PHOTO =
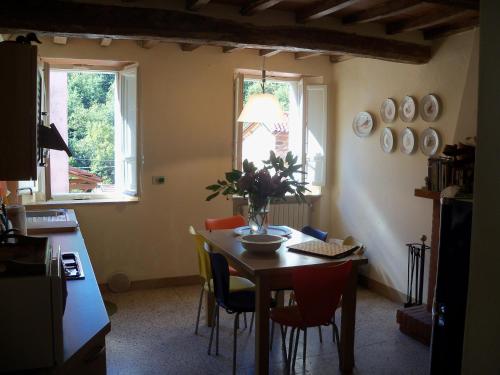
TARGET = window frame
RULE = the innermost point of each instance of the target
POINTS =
(45, 195)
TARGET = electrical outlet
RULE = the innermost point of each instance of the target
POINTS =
(159, 180)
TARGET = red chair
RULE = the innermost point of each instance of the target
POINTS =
(226, 223)
(317, 292)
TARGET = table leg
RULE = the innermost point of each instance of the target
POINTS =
(209, 308)
(348, 322)
(263, 296)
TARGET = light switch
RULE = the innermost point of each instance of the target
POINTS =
(159, 180)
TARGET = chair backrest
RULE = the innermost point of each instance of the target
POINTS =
(316, 233)
(318, 291)
(220, 274)
(203, 257)
(225, 223)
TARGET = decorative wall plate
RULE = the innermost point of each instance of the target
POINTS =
(429, 142)
(362, 124)
(408, 109)
(387, 140)
(430, 108)
(407, 141)
(388, 110)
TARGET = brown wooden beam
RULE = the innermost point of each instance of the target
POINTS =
(426, 21)
(255, 6)
(230, 49)
(306, 55)
(196, 4)
(187, 47)
(268, 52)
(322, 9)
(443, 31)
(463, 4)
(147, 44)
(105, 42)
(389, 9)
(78, 19)
(338, 58)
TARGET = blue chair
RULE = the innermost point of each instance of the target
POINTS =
(316, 233)
(236, 302)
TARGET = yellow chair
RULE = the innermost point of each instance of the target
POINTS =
(236, 283)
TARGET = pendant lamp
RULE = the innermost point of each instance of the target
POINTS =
(263, 108)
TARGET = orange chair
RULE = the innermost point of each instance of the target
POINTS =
(226, 223)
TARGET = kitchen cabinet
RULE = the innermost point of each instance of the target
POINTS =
(20, 102)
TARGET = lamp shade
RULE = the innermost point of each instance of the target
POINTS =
(263, 108)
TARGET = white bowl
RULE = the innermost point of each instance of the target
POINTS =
(262, 243)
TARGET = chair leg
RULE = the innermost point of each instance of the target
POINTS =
(235, 337)
(295, 348)
(217, 333)
(336, 330)
(283, 341)
(304, 350)
(290, 351)
(245, 320)
(272, 336)
(251, 323)
(212, 331)
(320, 335)
(199, 310)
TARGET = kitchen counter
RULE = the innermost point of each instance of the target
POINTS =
(85, 322)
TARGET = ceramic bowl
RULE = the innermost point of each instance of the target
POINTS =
(262, 243)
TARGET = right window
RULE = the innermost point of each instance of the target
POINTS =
(303, 129)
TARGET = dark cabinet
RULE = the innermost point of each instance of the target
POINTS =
(19, 102)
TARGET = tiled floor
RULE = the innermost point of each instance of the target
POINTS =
(153, 333)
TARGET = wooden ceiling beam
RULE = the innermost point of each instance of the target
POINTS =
(188, 47)
(230, 49)
(459, 4)
(268, 52)
(322, 9)
(389, 9)
(105, 42)
(444, 31)
(147, 44)
(426, 21)
(339, 58)
(196, 4)
(78, 19)
(61, 40)
(256, 6)
(306, 55)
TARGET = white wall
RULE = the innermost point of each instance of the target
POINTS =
(186, 117)
(372, 192)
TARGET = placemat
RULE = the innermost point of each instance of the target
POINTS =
(330, 250)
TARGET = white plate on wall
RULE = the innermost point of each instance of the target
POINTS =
(430, 108)
(388, 110)
(408, 109)
(407, 141)
(387, 140)
(362, 125)
(429, 142)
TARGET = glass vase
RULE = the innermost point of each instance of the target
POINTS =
(258, 208)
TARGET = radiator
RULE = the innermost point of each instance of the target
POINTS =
(290, 213)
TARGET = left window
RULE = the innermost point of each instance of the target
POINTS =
(95, 111)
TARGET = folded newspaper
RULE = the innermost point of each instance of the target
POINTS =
(331, 250)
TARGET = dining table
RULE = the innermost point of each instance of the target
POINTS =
(272, 272)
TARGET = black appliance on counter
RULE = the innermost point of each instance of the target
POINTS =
(450, 299)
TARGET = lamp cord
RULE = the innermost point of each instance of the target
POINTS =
(263, 84)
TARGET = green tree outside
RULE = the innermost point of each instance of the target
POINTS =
(91, 123)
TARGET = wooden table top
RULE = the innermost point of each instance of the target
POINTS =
(227, 242)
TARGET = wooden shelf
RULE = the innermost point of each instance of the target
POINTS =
(424, 193)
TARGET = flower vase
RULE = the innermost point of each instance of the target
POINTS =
(258, 208)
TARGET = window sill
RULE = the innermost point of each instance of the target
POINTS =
(78, 202)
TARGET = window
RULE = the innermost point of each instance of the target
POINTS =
(303, 130)
(95, 111)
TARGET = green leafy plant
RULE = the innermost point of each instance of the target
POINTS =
(259, 185)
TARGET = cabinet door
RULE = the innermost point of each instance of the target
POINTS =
(18, 100)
